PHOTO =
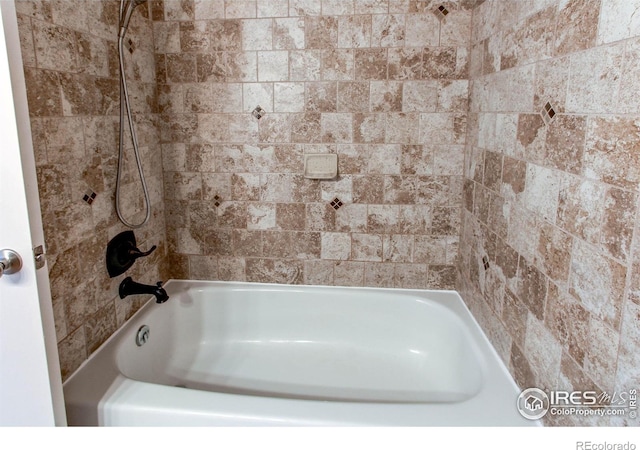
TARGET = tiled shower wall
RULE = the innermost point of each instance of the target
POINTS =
(549, 244)
(70, 58)
(381, 83)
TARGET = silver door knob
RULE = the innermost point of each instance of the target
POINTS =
(10, 262)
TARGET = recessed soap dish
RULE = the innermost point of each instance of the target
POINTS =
(321, 166)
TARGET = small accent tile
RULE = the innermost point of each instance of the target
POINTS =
(258, 112)
(89, 197)
(485, 262)
(130, 46)
(441, 12)
(218, 201)
(336, 203)
(548, 113)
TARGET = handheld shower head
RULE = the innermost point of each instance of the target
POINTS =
(125, 13)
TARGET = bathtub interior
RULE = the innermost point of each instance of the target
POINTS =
(312, 343)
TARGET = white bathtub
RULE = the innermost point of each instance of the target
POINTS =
(223, 354)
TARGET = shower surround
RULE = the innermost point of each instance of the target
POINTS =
(485, 146)
(69, 50)
(549, 243)
(382, 84)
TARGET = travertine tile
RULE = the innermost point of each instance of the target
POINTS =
(336, 246)
(542, 187)
(597, 282)
(273, 66)
(618, 21)
(371, 6)
(577, 25)
(594, 75)
(321, 32)
(386, 96)
(410, 276)
(336, 127)
(601, 354)
(610, 154)
(348, 273)
(321, 97)
(338, 64)
(288, 33)
(388, 30)
(257, 34)
(305, 65)
(543, 352)
(289, 97)
(353, 96)
(354, 31)
(282, 271)
(273, 8)
(422, 30)
(370, 64)
(208, 9)
(240, 9)
(305, 8)
(379, 275)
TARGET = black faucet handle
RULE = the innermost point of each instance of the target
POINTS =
(136, 253)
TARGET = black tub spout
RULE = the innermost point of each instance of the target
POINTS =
(130, 287)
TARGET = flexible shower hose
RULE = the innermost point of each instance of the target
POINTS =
(126, 108)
